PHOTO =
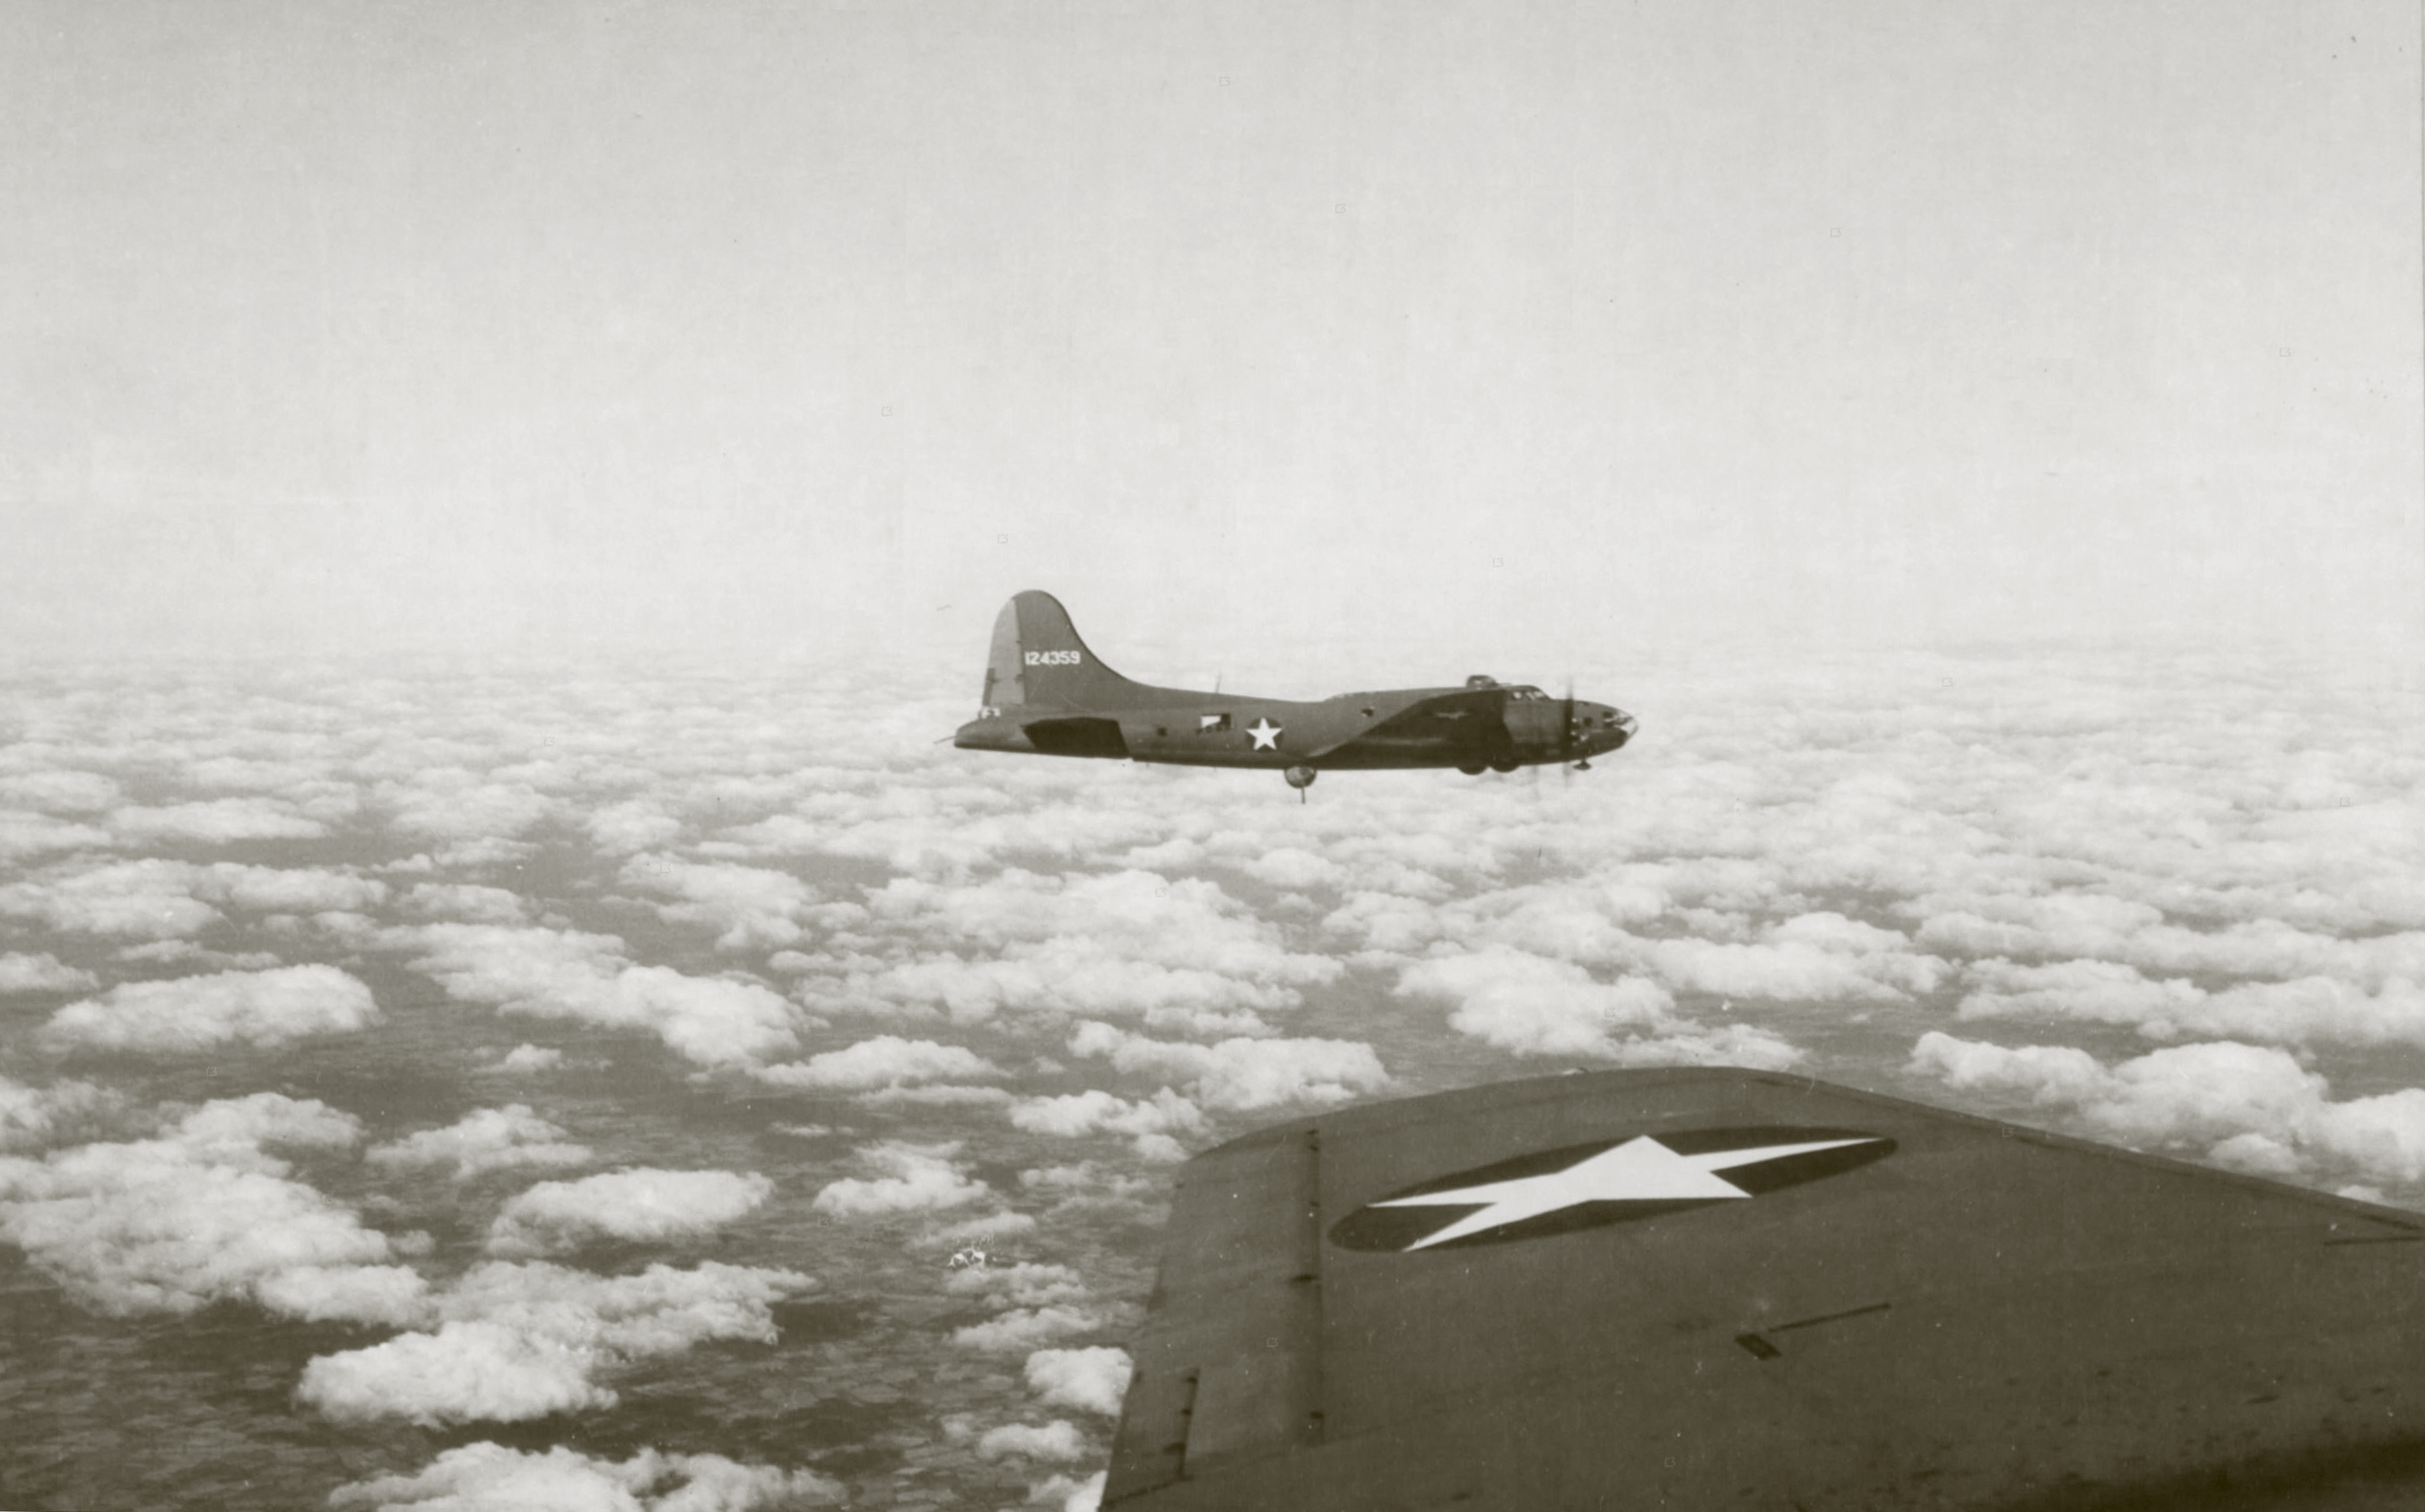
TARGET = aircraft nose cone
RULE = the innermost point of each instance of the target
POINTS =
(1621, 727)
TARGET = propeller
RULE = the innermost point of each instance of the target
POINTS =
(1569, 736)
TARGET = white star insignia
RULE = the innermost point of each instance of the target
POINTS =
(1638, 1170)
(1267, 735)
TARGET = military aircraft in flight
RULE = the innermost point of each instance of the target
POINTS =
(1720, 1288)
(1047, 694)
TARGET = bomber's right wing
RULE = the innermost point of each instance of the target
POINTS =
(1474, 721)
(1719, 1289)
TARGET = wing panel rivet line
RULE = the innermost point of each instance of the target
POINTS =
(1186, 1419)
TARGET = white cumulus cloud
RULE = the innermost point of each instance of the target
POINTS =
(189, 1014)
(215, 822)
(444, 804)
(286, 890)
(43, 972)
(1024, 1283)
(2251, 1107)
(487, 1141)
(1154, 1123)
(1025, 1329)
(1064, 1494)
(1093, 1379)
(24, 835)
(1059, 1441)
(527, 1060)
(1237, 1075)
(1537, 1005)
(141, 899)
(750, 908)
(60, 791)
(466, 903)
(33, 1117)
(2308, 1009)
(642, 1204)
(1176, 953)
(204, 1212)
(916, 1179)
(565, 975)
(514, 1342)
(489, 1477)
(887, 1060)
(621, 829)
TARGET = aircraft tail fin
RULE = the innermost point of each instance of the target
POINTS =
(1038, 660)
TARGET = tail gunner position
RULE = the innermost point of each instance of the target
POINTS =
(1046, 694)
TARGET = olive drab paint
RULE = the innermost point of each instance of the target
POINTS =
(1713, 1288)
(1046, 692)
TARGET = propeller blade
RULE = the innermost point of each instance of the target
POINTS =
(1566, 724)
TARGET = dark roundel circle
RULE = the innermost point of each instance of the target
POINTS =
(1377, 1227)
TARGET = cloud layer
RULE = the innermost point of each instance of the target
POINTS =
(551, 1030)
(2249, 1106)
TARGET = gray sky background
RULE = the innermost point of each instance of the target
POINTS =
(785, 328)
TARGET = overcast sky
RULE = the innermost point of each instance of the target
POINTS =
(548, 325)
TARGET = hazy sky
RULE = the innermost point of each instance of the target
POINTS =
(789, 326)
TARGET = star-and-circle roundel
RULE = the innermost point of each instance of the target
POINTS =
(1607, 1181)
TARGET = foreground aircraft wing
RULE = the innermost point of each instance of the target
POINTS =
(1471, 715)
(1722, 1289)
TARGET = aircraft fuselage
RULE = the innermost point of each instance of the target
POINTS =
(1046, 694)
(1229, 730)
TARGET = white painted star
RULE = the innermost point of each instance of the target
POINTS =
(1638, 1170)
(1267, 735)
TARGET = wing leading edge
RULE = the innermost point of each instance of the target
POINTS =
(1716, 1288)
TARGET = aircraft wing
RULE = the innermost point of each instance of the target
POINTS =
(1467, 715)
(1722, 1289)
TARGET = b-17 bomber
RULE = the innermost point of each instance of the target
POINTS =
(1047, 694)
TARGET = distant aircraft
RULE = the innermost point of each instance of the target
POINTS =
(1046, 694)
(1729, 1289)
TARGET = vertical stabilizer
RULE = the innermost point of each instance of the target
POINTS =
(1038, 660)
